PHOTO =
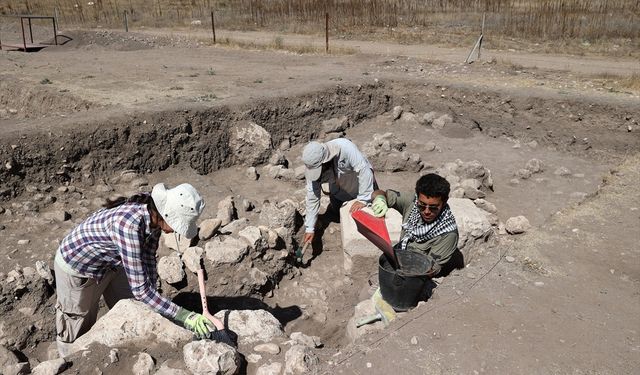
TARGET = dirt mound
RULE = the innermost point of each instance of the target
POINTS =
(20, 100)
(123, 41)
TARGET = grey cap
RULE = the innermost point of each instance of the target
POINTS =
(313, 156)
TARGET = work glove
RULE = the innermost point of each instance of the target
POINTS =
(379, 206)
(196, 323)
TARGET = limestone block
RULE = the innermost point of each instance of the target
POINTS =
(7, 357)
(165, 369)
(249, 143)
(44, 271)
(16, 369)
(252, 325)
(428, 118)
(210, 357)
(517, 224)
(192, 258)
(133, 323)
(235, 226)
(335, 125)
(300, 359)
(397, 112)
(208, 228)
(270, 348)
(227, 250)
(302, 339)
(362, 310)
(170, 269)
(278, 158)
(486, 205)
(144, 364)
(472, 221)
(535, 166)
(59, 215)
(274, 368)
(441, 121)
(354, 244)
(175, 241)
(279, 214)
(227, 210)
(52, 367)
(255, 238)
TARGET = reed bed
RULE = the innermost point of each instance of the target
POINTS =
(546, 20)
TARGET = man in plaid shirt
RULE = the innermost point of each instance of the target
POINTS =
(113, 254)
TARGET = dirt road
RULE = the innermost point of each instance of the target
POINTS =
(585, 65)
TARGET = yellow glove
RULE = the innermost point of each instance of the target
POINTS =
(379, 206)
(195, 322)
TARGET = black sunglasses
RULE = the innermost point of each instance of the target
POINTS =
(432, 207)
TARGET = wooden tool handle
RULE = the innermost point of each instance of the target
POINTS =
(203, 300)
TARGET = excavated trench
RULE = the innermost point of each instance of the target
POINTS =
(198, 139)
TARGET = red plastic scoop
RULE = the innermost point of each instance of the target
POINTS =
(375, 230)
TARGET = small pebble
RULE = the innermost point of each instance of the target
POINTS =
(510, 259)
(538, 283)
(471, 275)
(612, 271)
(414, 340)
(23, 242)
(369, 365)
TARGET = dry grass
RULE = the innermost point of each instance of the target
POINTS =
(278, 44)
(586, 26)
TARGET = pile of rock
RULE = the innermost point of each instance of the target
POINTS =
(244, 258)
(532, 167)
(132, 325)
(26, 298)
(387, 153)
(468, 179)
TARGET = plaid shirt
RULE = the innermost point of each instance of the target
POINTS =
(120, 236)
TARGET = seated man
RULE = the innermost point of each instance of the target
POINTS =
(428, 226)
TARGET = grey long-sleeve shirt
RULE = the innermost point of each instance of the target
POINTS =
(352, 178)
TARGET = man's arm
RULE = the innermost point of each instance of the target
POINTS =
(441, 251)
(129, 238)
(313, 205)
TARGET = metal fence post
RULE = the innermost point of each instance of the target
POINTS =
(213, 28)
(326, 32)
(126, 22)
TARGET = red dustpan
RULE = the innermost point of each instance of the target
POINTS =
(375, 230)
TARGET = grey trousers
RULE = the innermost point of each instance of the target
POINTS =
(78, 298)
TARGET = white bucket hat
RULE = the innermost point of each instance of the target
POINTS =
(180, 207)
(313, 155)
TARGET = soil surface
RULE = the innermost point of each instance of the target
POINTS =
(561, 298)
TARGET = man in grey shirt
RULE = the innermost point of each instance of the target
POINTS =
(348, 172)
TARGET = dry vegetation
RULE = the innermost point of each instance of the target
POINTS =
(605, 27)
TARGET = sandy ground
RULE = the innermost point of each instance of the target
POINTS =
(566, 301)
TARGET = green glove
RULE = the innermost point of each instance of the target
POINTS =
(379, 206)
(195, 322)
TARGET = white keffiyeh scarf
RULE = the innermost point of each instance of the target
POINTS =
(415, 229)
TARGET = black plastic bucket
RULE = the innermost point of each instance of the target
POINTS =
(404, 287)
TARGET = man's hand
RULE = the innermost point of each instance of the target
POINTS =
(195, 322)
(379, 206)
(357, 205)
(308, 237)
